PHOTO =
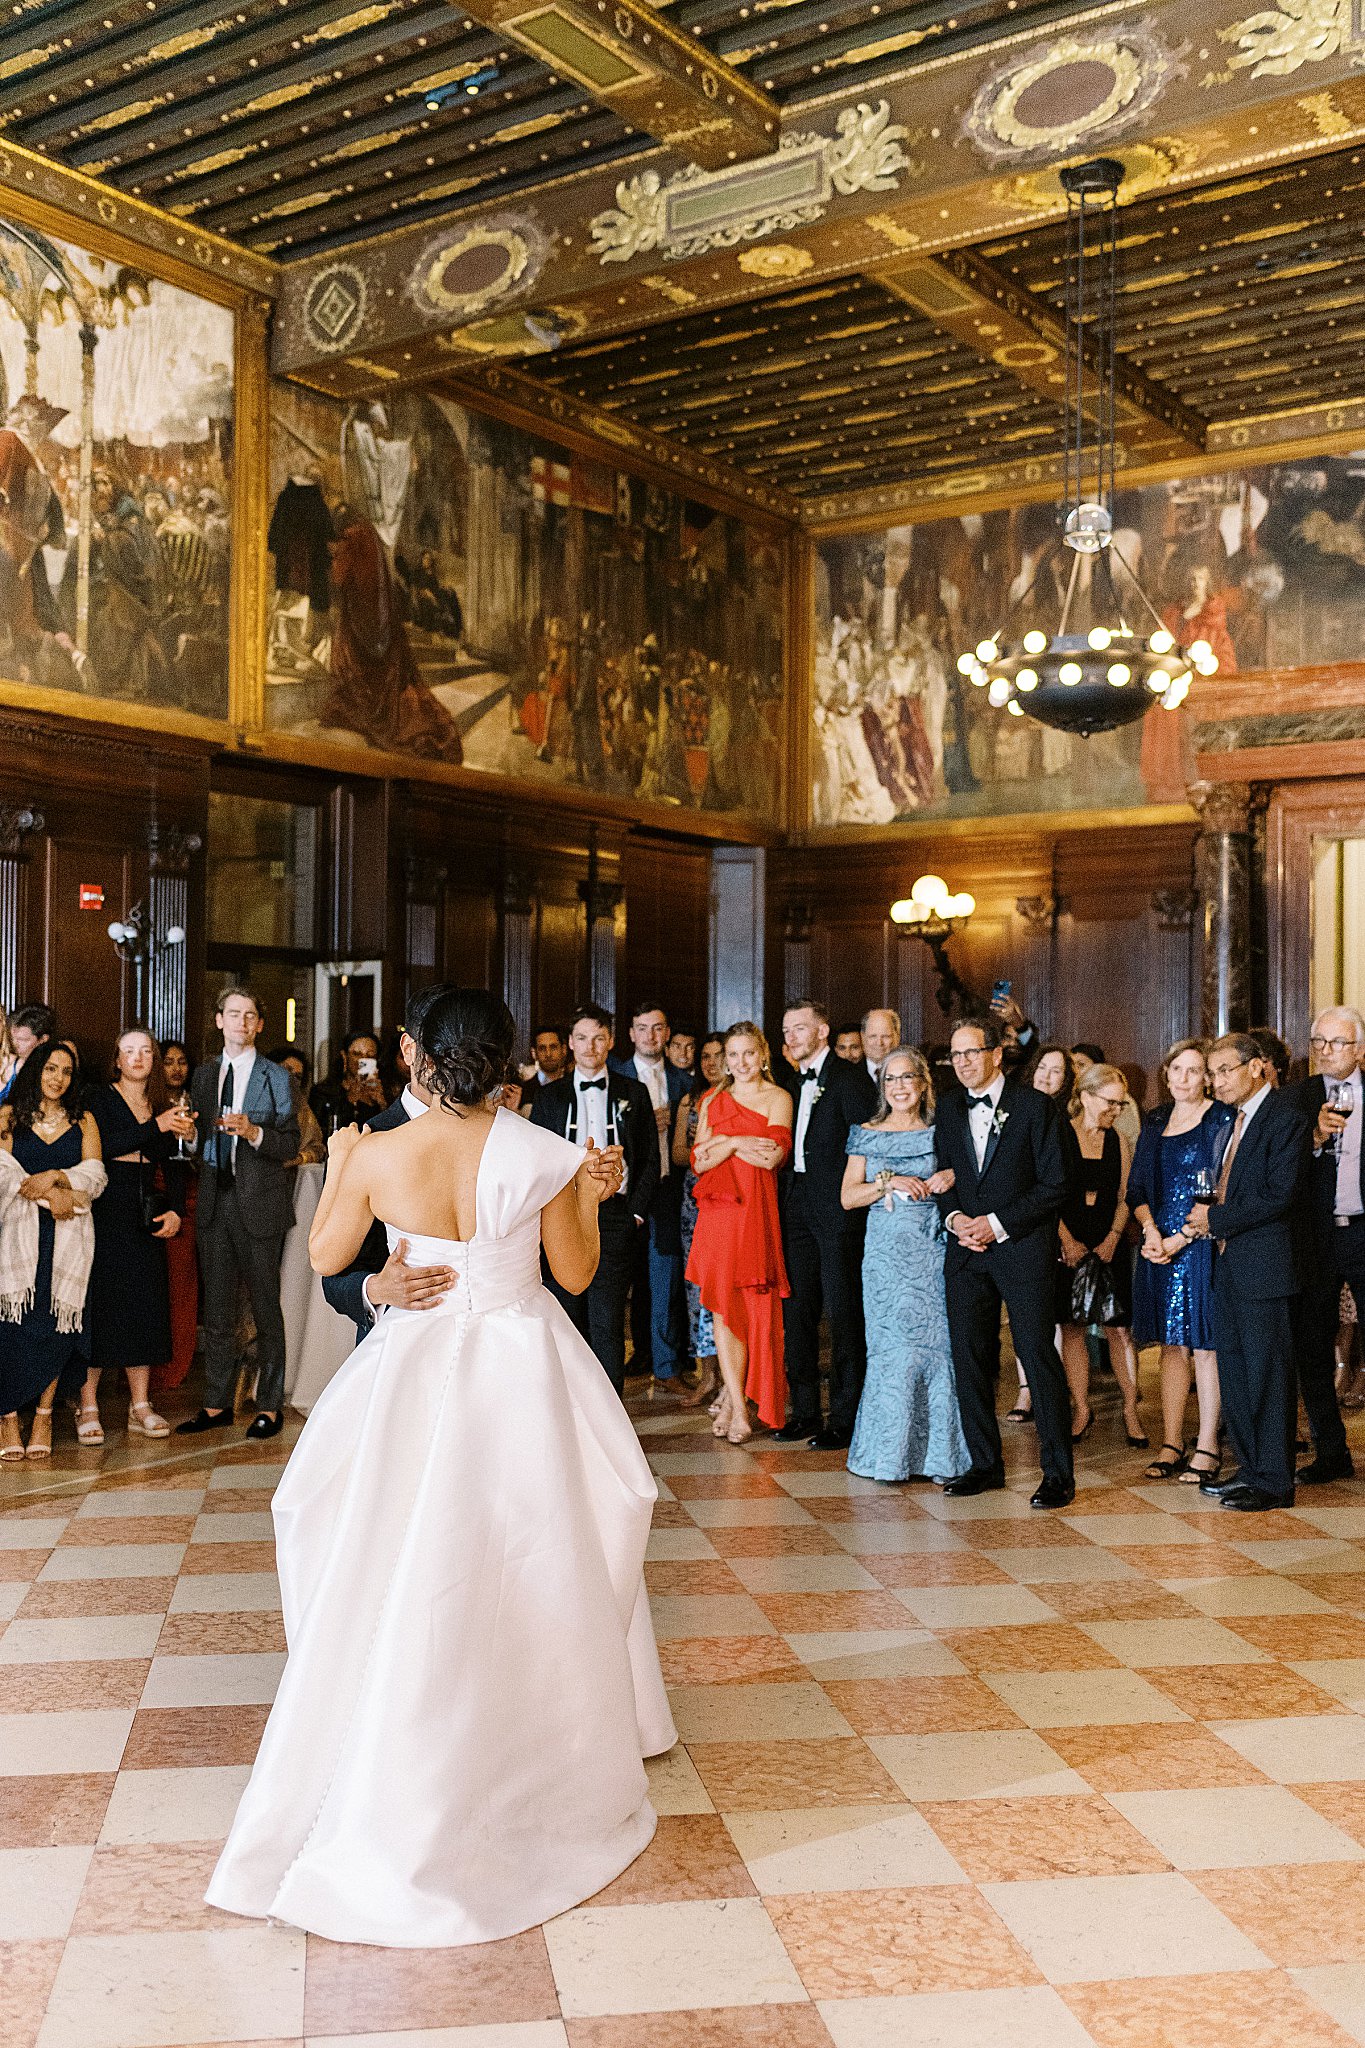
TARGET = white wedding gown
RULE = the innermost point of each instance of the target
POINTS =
(455, 1750)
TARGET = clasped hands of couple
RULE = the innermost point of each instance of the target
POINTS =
(1160, 1251)
(399, 1285)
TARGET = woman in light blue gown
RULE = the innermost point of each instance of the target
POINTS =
(908, 1424)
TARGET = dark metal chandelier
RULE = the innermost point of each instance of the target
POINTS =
(1111, 656)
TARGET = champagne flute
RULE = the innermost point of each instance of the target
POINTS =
(183, 1104)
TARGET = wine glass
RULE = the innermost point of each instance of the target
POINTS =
(1205, 1186)
(183, 1104)
(1339, 1099)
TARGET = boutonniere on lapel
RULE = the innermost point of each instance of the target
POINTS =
(998, 1122)
(816, 1093)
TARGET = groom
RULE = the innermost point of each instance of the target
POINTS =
(1005, 1148)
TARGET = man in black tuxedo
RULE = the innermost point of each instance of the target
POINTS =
(610, 1109)
(1255, 1275)
(1004, 1145)
(1331, 1232)
(822, 1241)
(378, 1278)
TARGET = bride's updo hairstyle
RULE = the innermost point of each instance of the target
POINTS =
(465, 1041)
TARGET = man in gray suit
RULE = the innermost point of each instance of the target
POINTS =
(247, 1133)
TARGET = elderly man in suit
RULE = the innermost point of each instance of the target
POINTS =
(1004, 1146)
(1331, 1233)
(247, 1133)
(1256, 1275)
(823, 1241)
(378, 1278)
(611, 1109)
(658, 1309)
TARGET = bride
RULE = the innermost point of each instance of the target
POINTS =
(455, 1751)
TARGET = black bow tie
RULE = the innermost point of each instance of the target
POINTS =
(809, 1074)
(594, 1084)
(974, 1099)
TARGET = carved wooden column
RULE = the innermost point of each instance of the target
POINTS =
(170, 851)
(518, 913)
(17, 821)
(424, 884)
(796, 953)
(1222, 867)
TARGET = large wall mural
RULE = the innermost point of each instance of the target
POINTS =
(116, 397)
(451, 587)
(1267, 565)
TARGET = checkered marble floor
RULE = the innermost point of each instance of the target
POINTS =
(952, 1773)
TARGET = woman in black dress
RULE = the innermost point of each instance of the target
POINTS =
(1095, 1274)
(354, 1092)
(130, 1300)
(52, 1168)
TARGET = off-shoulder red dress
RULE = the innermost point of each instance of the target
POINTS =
(736, 1259)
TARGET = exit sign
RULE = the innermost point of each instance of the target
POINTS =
(92, 895)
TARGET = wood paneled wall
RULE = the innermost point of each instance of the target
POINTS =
(1095, 929)
(668, 918)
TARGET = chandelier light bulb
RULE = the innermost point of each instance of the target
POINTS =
(980, 677)
(1199, 650)
(1035, 642)
(907, 911)
(965, 664)
(1119, 673)
(999, 693)
(1015, 708)
(1176, 695)
(1208, 666)
(1070, 672)
(1027, 679)
(1161, 641)
(986, 650)
(960, 906)
(1158, 680)
(930, 890)
(1099, 638)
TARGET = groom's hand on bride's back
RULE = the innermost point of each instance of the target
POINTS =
(399, 1285)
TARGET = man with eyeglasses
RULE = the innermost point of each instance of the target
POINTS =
(1255, 1274)
(1004, 1145)
(1331, 1233)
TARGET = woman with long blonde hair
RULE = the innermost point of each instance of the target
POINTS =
(743, 1137)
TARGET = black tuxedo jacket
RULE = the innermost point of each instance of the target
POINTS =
(1314, 1228)
(845, 1095)
(1022, 1178)
(631, 1112)
(1266, 1194)
(345, 1292)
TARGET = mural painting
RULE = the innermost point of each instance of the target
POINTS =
(116, 419)
(449, 586)
(1267, 565)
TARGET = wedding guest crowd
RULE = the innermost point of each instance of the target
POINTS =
(818, 1240)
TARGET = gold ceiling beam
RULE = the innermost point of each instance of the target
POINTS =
(968, 299)
(667, 85)
(1228, 445)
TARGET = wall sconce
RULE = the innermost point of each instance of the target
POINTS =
(933, 913)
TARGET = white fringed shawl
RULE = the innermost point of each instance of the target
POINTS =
(73, 1246)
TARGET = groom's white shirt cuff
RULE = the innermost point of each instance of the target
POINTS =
(1001, 1234)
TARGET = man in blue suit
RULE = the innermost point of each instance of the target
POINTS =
(248, 1131)
(658, 1318)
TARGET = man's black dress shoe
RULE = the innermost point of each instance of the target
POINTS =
(197, 1424)
(1053, 1493)
(1323, 1470)
(799, 1430)
(1219, 1489)
(990, 1481)
(829, 1439)
(1249, 1500)
(266, 1425)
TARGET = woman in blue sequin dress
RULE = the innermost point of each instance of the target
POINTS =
(908, 1424)
(1176, 1163)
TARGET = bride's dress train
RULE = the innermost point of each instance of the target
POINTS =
(455, 1751)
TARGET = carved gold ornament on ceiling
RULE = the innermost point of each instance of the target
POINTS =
(1073, 90)
(1278, 41)
(700, 210)
(462, 274)
(1146, 165)
(334, 307)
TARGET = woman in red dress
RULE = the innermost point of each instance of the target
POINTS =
(743, 1136)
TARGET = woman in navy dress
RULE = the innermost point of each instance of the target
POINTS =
(1176, 1163)
(908, 1424)
(43, 1342)
(130, 1296)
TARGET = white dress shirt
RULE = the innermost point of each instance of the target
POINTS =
(590, 1104)
(804, 1105)
(241, 1064)
(1348, 1159)
(654, 1075)
(980, 1117)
